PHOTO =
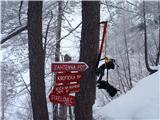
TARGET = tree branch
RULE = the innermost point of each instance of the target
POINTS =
(131, 3)
(117, 7)
(19, 13)
(25, 84)
(47, 29)
(67, 21)
(70, 32)
(14, 33)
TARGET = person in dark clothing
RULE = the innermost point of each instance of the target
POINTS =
(110, 64)
(109, 88)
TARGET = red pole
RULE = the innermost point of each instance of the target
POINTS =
(104, 33)
(101, 47)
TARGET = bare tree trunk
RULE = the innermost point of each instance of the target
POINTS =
(158, 52)
(55, 111)
(127, 53)
(62, 112)
(61, 115)
(139, 66)
(70, 113)
(2, 98)
(3, 8)
(36, 61)
(121, 83)
(145, 41)
(88, 53)
(125, 71)
(58, 35)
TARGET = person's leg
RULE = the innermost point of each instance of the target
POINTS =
(101, 72)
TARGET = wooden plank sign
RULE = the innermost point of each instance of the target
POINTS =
(68, 77)
(66, 89)
(66, 74)
(64, 100)
(67, 66)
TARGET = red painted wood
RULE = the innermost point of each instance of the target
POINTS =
(66, 67)
(68, 77)
(64, 100)
(66, 89)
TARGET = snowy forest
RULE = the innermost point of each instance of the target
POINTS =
(36, 34)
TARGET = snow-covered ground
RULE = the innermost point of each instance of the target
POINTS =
(140, 103)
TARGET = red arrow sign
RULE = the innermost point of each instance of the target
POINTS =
(66, 89)
(64, 100)
(68, 77)
(67, 66)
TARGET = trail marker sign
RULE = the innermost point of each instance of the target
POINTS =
(66, 89)
(64, 100)
(68, 77)
(67, 66)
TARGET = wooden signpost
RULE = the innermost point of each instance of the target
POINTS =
(67, 80)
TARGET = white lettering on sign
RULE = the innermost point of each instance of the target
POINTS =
(68, 77)
(68, 88)
(62, 67)
(64, 99)
(69, 67)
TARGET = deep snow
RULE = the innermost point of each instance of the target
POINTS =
(140, 103)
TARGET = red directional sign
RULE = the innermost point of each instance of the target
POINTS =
(66, 89)
(68, 77)
(67, 66)
(65, 100)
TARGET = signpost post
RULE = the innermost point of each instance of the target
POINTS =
(67, 80)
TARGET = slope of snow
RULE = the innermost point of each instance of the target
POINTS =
(140, 103)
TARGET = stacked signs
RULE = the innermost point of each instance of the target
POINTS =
(67, 79)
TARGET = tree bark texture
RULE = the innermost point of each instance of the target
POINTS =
(62, 109)
(88, 53)
(58, 34)
(127, 53)
(145, 41)
(2, 97)
(36, 61)
(60, 112)
(158, 51)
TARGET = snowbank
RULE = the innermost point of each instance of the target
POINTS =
(140, 103)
